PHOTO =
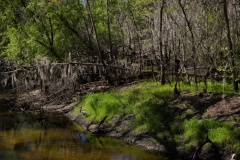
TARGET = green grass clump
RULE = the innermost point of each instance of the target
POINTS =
(218, 87)
(221, 133)
(98, 105)
(146, 100)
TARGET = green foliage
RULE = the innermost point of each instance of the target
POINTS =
(36, 29)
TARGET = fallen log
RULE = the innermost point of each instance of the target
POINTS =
(96, 129)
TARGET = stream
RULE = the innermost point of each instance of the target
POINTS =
(54, 137)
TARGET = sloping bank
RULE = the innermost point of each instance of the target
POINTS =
(147, 115)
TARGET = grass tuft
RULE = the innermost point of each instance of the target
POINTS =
(218, 132)
(99, 105)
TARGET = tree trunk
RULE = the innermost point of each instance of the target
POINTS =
(109, 32)
(230, 46)
(193, 42)
(163, 81)
(100, 53)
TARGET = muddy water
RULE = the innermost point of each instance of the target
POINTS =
(33, 137)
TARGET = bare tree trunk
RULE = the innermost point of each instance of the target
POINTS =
(230, 46)
(163, 81)
(138, 41)
(109, 32)
(100, 53)
(154, 57)
(88, 34)
(192, 40)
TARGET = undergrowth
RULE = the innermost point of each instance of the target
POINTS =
(149, 103)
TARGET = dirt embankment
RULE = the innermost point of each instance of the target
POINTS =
(216, 106)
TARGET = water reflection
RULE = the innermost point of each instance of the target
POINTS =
(123, 157)
(24, 137)
(81, 138)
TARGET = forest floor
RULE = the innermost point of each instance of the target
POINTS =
(217, 106)
(209, 105)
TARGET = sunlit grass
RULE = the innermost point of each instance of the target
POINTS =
(221, 133)
(212, 87)
(149, 103)
(98, 105)
(146, 100)
(221, 88)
